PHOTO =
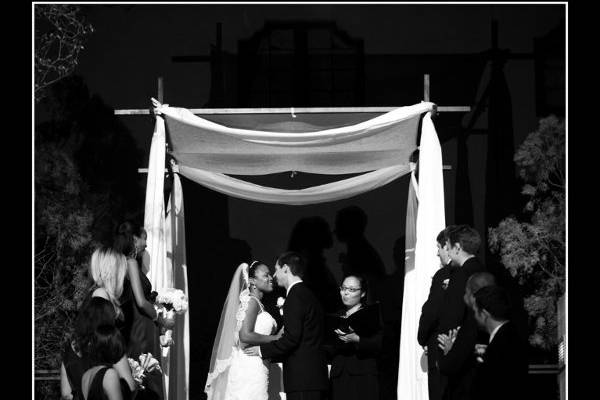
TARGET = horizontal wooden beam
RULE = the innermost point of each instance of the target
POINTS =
(145, 170)
(289, 110)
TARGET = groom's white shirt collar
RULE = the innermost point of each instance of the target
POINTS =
(290, 287)
(496, 331)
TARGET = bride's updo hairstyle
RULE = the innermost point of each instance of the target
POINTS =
(252, 268)
(124, 240)
(249, 272)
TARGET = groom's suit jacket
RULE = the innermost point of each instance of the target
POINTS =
(300, 346)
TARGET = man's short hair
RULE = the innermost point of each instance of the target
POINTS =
(295, 261)
(494, 299)
(480, 280)
(442, 237)
(469, 238)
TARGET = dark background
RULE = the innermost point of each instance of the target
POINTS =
(505, 61)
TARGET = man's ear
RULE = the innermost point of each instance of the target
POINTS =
(486, 313)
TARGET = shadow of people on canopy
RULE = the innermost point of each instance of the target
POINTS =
(310, 237)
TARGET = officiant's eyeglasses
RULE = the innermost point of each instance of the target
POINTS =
(349, 289)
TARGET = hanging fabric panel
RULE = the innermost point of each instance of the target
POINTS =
(386, 140)
(317, 194)
(154, 211)
(410, 359)
(412, 371)
(179, 356)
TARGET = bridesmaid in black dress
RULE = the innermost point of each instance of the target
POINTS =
(102, 380)
(107, 268)
(140, 329)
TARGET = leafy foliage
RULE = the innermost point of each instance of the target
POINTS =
(85, 179)
(62, 246)
(533, 250)
(59, 36)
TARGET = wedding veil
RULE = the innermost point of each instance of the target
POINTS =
(227, 337)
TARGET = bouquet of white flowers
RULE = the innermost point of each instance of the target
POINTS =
(172, 299)
(169, 301)
(147, 363)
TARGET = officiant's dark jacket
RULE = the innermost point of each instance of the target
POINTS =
(503, 373)
(355, 362)
(300, 346)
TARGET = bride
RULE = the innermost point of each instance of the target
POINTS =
(244, 322)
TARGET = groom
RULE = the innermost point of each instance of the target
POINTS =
(304, 365)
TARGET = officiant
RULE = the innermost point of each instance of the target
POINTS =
(354, 339)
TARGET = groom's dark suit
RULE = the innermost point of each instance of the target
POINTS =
(300, 346)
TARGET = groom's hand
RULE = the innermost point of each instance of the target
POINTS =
(252, 351)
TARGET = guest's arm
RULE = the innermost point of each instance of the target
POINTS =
(145, 259)
(247, 334)
(124, 371)
(66, 393)
(133, 273)
(111, 385)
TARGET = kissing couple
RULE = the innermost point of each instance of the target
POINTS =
(248, 340)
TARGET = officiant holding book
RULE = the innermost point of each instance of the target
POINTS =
(353, 343)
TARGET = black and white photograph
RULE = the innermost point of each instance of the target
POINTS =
(299, 200)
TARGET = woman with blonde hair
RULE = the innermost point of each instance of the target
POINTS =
(101, 307)
(108, 269)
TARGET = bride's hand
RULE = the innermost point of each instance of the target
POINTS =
(252, 351)
(279, 334)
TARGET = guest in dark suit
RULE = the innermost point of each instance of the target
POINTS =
(503, 372)
(356, 334)
(463, 243)
(300, 346)
(428, 323)
(459, 359)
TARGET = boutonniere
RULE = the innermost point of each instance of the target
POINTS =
(280, 301)
(445, 283)
(480, 352)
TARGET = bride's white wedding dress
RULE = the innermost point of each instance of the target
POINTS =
(232, 374)
(249, 375)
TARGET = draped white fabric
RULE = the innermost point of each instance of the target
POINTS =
(380, 142)
(154, 211)
(380, 147)
(408, 356)
(412, 371)
(161, 272)
(316, 194)
(179, 355)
